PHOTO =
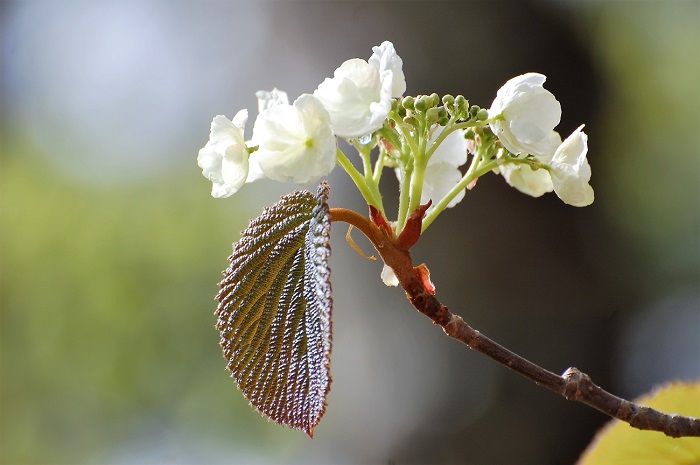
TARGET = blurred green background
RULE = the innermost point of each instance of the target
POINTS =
(111, 246)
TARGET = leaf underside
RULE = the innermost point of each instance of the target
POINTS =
(275, 307)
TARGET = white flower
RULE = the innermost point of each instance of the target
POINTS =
(528, 181)
(527, 113)
(384, 58)
(358, 96)
(224, 159)
(389, 277)
(295, 142)
(571, 172)
(270, 99)
(265, 100)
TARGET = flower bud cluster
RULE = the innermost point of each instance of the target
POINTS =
(434, 109)
(298, 142)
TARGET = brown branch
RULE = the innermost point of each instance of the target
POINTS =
(572, 384)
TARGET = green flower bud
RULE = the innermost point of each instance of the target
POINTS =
(443, 121)
(482, 114)
(432, 115)
(407, 103)
(448, 100)
(461, 103)
(420, 104)
(435, 99)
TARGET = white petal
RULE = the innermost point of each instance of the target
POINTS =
(545, 148)
(389, 277)
(533, 115)
(270, 99)
(571, 171)
(234, 167)
(210, 162)
(224, 159)
(531, 182)
(384, 58)
(296, 142)
(529, 112)
(240, 120)
(358, 96)
(452, 150)
(439, 180)
(506, 94)
(224, 132)
(220, 190)
(254, 171)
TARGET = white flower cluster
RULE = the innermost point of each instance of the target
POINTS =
(524, 117)
(297, 142)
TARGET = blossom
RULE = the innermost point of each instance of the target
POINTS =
(389, 277)
(265, 100)
(571, 172)
(526, 115)
(384, 58)
(358, 96)
(270, 99)
(295, 142)
(224, 159)
(528, 181)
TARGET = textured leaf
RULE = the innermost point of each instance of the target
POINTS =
(620, 444)
(274, 310)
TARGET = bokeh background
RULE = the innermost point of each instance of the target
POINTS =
(111, 246)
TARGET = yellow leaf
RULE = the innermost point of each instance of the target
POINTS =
(620, 444)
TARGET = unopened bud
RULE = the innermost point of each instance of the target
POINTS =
(461, 103)
(435, 99)
(473, 110)
(432, 115)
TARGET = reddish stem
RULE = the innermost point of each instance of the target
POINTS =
(573, 384)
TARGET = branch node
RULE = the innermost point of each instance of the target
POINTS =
(574, 383)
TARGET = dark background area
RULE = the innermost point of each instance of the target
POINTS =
(111, 246)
